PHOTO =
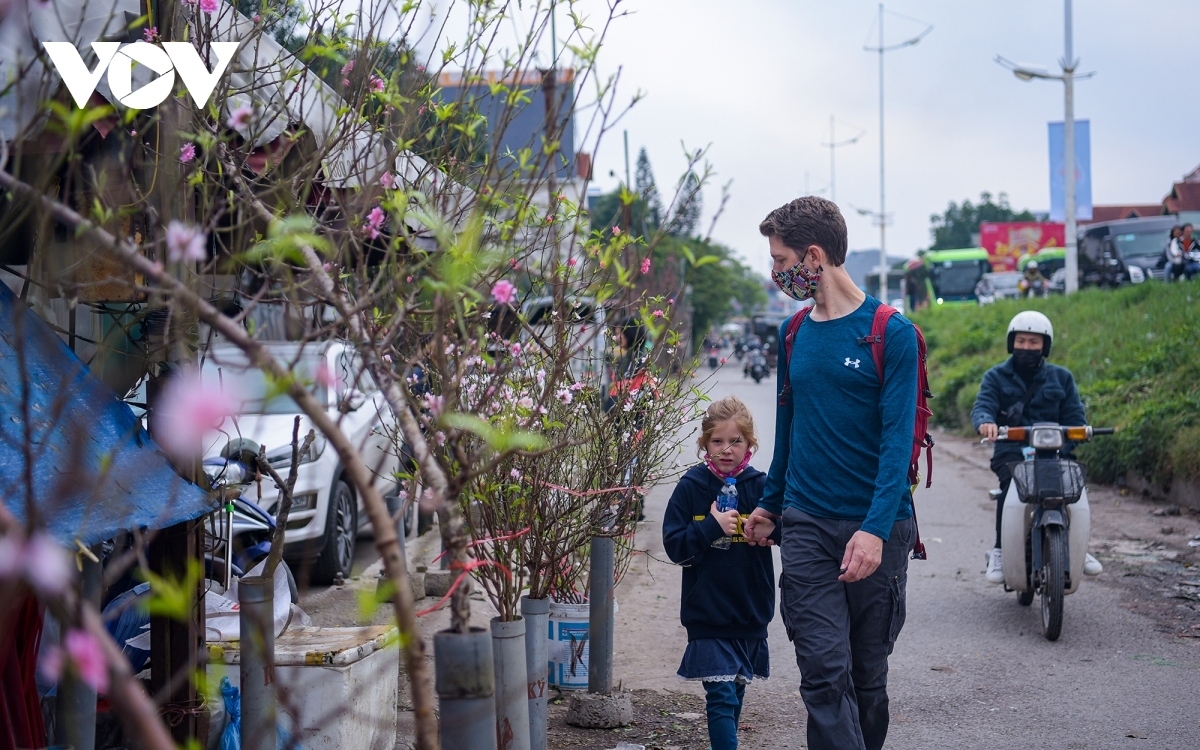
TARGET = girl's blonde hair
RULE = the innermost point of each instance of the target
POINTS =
(728, 408)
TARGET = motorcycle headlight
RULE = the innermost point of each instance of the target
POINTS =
(1047, 438)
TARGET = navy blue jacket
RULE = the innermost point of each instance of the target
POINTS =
(1055, 399)
(726, 593)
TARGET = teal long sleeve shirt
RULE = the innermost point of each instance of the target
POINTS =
(842, 446)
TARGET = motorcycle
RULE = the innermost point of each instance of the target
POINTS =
(1047, 520)
(238, 536)
(1035, 288)
(757, 366)
(714, 357)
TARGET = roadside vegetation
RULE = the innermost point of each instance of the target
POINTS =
(1135, 356)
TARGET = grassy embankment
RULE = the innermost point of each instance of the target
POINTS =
(1135, 354)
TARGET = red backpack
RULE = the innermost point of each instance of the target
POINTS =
(922, 440)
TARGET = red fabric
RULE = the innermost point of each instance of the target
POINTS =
(20, 710)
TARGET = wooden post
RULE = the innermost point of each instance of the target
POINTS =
(176, 646)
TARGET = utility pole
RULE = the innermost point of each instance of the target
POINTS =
(832, 145)
(1068, 77)
(883, 270)
(882, 215)
(1068, 68)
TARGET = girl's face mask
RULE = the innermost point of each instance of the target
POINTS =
(712, 466)
(797, 282)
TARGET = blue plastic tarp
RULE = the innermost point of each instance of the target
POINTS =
(72, 451)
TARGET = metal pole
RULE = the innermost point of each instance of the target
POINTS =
(600, 615)
(882, 190)
(76, 708)
(628, 183)
(466, 687)
(256, 596)
(536, 613)
(832, 148)
(1068, 64)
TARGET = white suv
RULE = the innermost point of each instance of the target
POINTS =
(326, 515)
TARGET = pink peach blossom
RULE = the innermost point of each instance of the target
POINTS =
(645, 266)
(325, 376)
(187, 152)
(186, 243)
(240, 117)
(190, 408)
(504, 292)
(87, 657)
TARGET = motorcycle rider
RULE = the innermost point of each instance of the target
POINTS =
(1033, 281)
(1020, 391)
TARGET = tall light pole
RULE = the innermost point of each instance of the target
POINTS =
(882, 215)
(832, 146)
(1068, 77)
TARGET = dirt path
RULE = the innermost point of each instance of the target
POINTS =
(971, 668)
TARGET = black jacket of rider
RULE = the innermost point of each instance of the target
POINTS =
(1055, 399)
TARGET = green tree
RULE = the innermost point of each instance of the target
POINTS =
(719, 287)
(954, 228)
(647, 191)
(686, 218)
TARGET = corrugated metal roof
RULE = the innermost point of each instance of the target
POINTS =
(70, 450)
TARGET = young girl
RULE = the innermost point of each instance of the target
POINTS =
(728, 594)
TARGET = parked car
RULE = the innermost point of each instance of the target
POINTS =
(1004, 284)
(326, 515)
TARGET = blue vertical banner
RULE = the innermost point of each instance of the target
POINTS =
(1083, 171)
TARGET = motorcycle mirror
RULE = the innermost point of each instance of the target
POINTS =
(243, 450)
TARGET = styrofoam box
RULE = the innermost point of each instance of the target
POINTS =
(338, 684)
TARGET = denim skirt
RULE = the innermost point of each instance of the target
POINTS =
(725, 660)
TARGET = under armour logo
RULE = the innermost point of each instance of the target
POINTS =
(854, 362)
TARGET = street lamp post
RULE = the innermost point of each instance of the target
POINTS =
(882, 215)
(1068, 77)
(832, 146)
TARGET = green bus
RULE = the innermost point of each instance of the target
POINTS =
(953, 274)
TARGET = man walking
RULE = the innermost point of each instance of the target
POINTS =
(839, 481)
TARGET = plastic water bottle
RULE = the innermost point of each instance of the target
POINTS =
(727, 499)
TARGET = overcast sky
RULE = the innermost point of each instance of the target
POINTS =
(759, 79)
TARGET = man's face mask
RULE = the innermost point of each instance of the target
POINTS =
(797, 282)
(1027, 359)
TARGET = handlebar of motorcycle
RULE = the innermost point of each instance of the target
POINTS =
(1078, 434)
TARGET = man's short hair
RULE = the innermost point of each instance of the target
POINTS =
(809, 221)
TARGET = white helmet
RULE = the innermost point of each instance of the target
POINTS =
(1031, 265)
(1031, 321)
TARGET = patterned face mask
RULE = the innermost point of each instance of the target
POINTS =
(797, 282)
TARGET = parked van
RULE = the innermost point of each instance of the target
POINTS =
(1121, 247)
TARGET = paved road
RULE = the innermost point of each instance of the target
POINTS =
(971, 668)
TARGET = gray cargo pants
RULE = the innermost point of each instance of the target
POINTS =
(843, 632)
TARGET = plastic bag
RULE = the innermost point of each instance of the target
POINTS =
(231, 736)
